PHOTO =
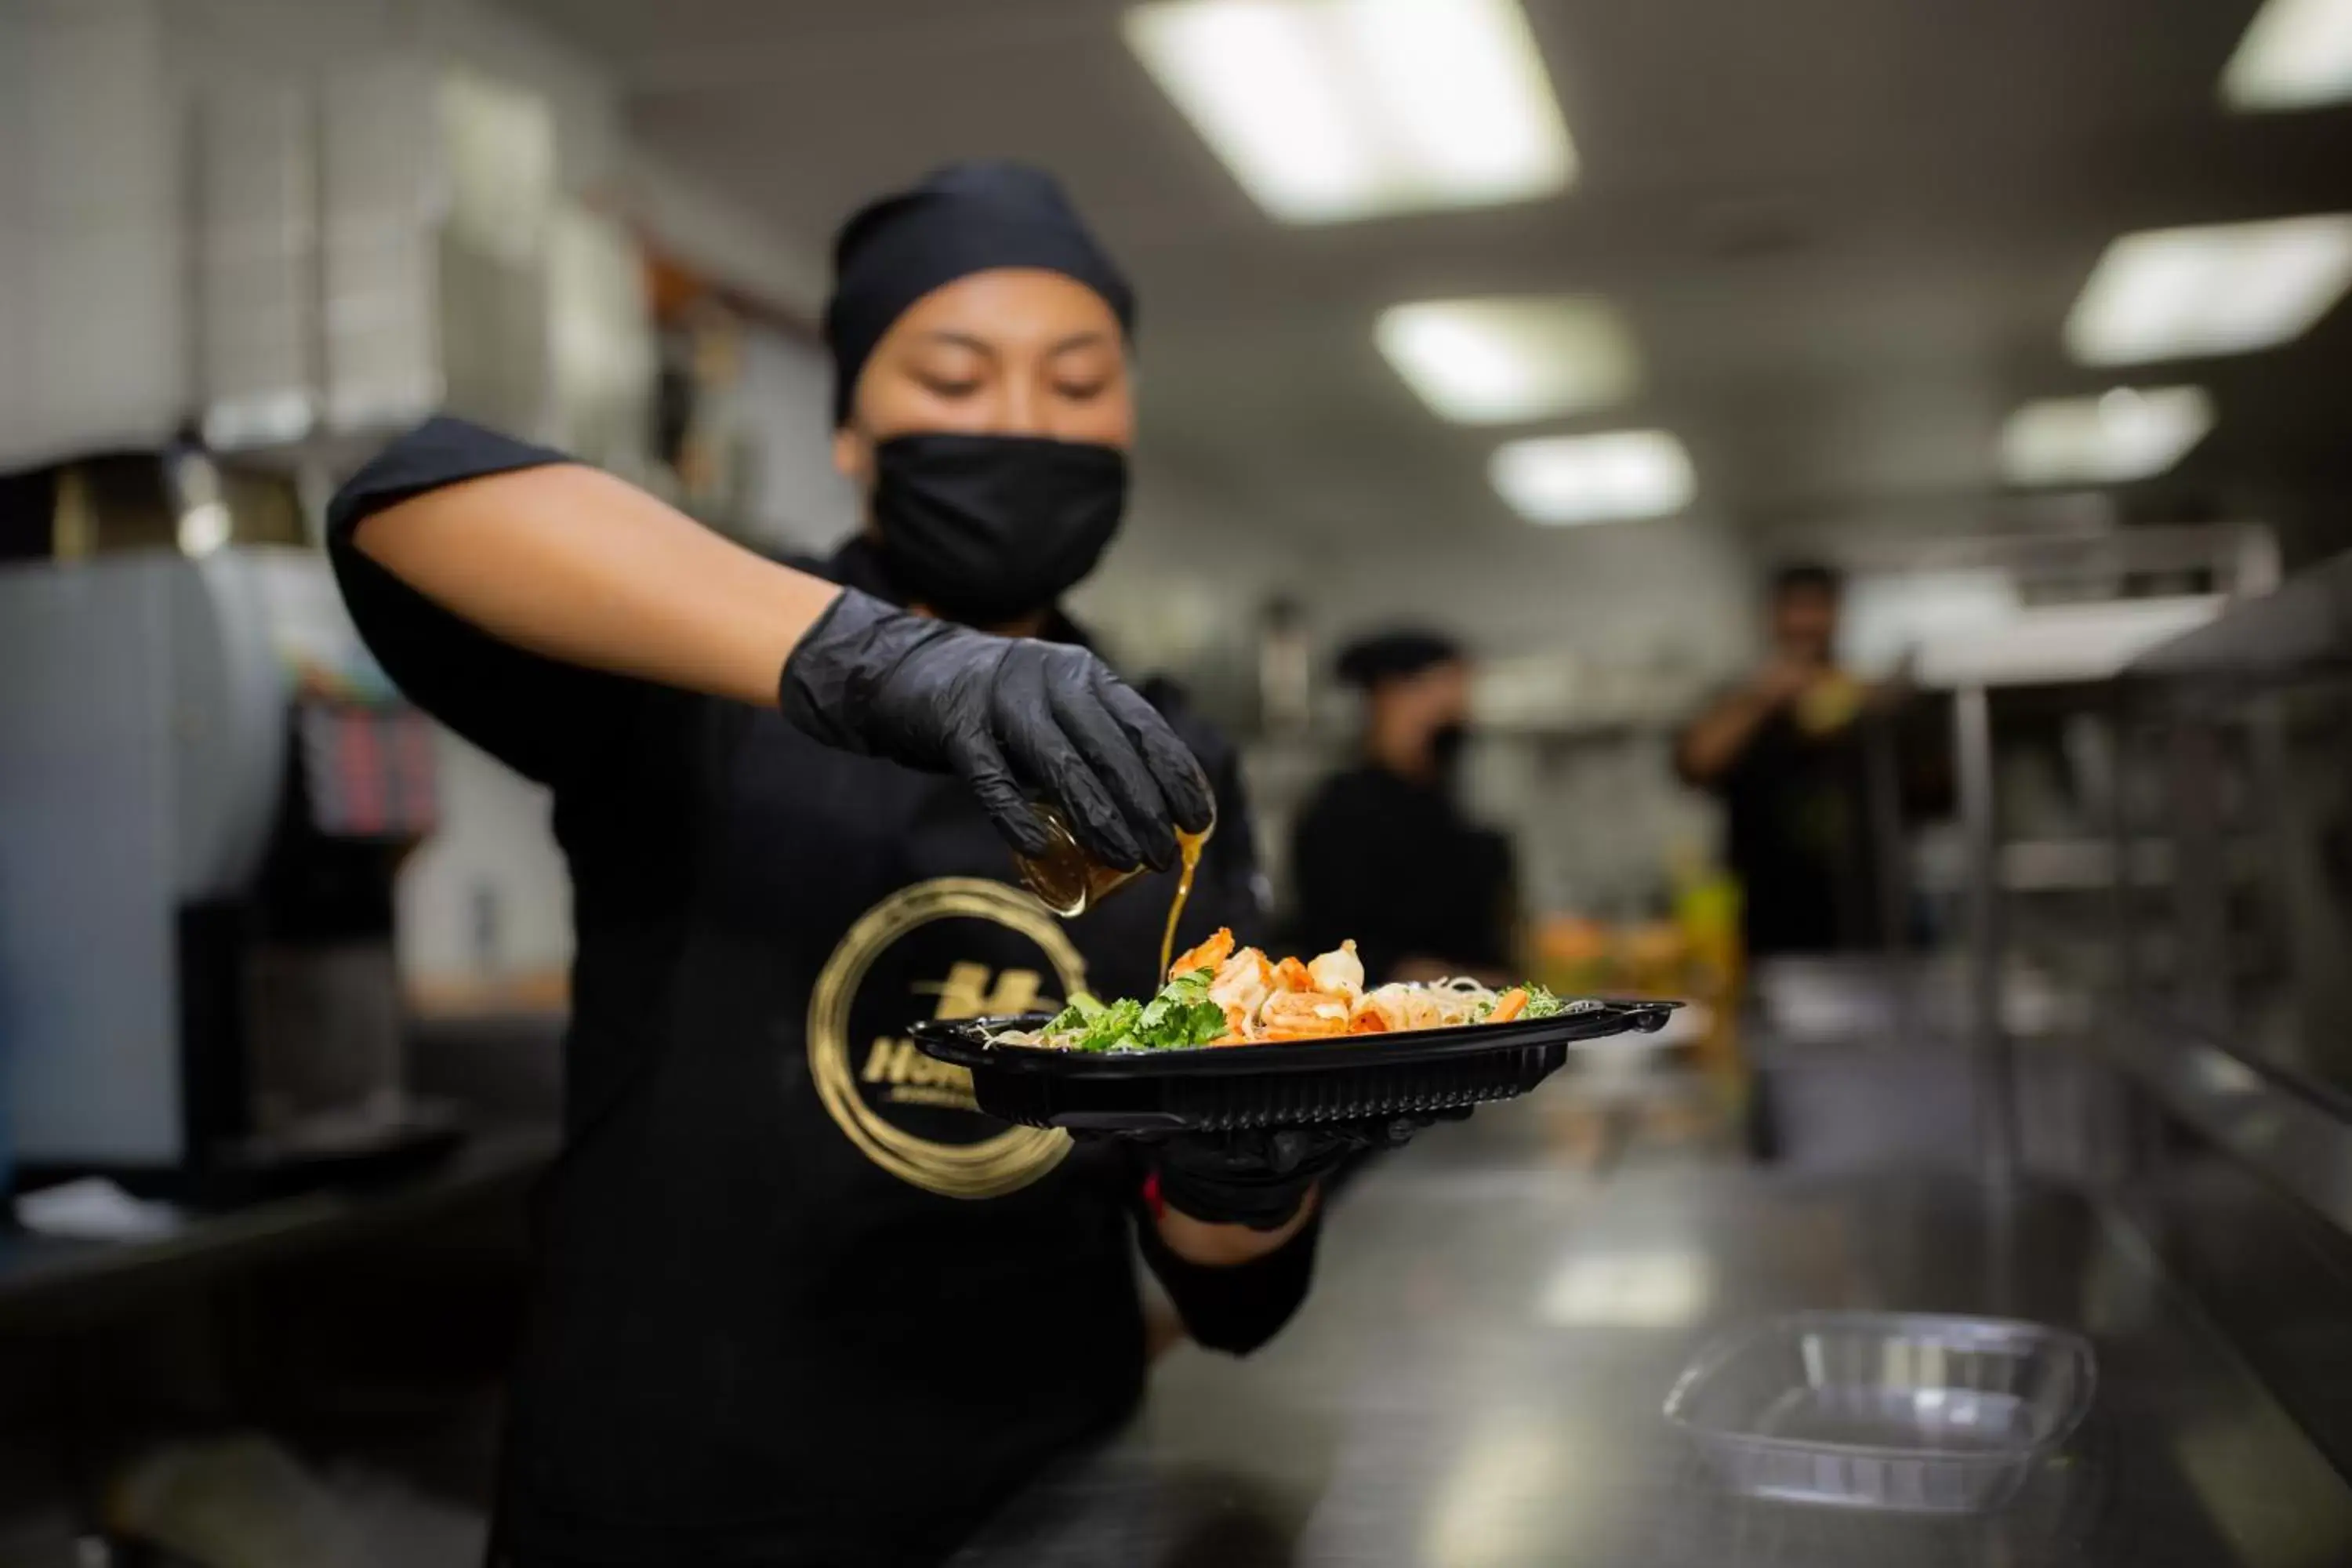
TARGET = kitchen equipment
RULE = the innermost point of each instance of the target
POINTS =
(1221, 1088)
(1900, 1412)
(205, 790)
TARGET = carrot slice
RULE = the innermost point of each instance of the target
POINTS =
(1509, 1006)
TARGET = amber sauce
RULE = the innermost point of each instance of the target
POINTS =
(1188, 860)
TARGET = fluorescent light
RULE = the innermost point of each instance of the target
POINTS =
(2296, 53)
(1255, 82)
(1330, 109)
(1494, 362)
(1594, 479)
(2174, 293)
(2126, 433)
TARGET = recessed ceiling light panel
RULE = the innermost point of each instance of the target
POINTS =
(1504, 361)
(1616, 477)
(1331, 110)
(2223, 289)
(2130, 433)
(2296, 53)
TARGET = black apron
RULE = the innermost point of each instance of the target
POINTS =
(802, 1302)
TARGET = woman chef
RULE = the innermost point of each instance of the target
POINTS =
(799, 1301)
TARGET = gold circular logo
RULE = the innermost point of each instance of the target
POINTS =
(993, 1166)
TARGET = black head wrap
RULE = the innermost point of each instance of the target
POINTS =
(965, 218)
(1395, 656)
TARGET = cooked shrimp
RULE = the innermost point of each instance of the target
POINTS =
(1292, 975)
(1243, 981)
(1368, 1021)
(1387, 1005)
(1208, 955)
(1339, 972)
(1305, 1013)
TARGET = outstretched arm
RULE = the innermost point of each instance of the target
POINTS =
(515, 549)
(575, 564)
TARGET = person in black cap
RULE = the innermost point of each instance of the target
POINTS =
(799, 1302)
(1383, 853)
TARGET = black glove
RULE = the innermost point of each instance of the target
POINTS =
(1259, 1178)
(1013, 718)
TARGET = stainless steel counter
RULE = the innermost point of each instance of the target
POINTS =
(1475, 1382)
(47, 1281)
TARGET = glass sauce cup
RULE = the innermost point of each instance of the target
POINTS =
(1066, 879)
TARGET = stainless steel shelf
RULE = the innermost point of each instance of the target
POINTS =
(2305, 628)
(2053, 866)
(2292, 1135)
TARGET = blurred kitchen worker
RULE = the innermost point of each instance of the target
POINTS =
(1383, 852)
(1783, 751)
(799, 1302)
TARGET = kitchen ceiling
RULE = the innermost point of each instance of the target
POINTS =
(1844, 233)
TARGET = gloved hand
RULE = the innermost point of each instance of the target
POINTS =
(1259, 1178)
(1006, 716)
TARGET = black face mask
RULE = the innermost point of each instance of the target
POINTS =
(988, 528)
(1445, 744)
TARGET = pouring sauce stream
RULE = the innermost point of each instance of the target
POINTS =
(1188, 859)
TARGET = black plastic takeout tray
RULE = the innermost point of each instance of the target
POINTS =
(1348, 1078)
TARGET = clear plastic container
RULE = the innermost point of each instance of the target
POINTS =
(1900, 1412)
